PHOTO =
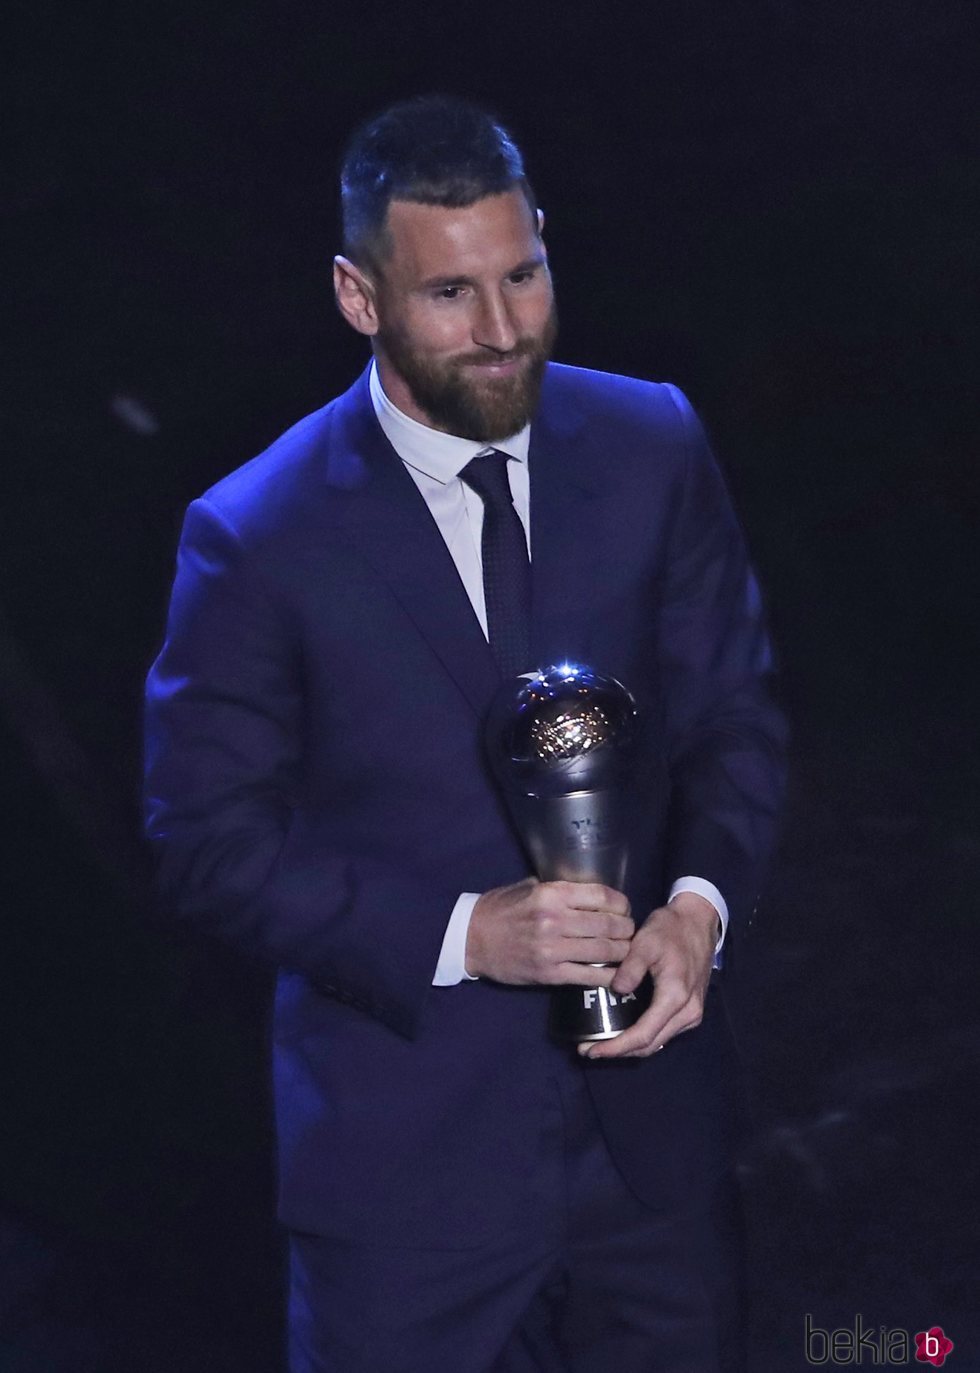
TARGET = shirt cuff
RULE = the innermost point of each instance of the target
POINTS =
(710, 892)
(451, 967)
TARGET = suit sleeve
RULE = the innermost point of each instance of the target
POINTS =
(726, 739)
(239, 853)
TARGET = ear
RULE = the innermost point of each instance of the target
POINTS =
(540, 223)
(355, 296)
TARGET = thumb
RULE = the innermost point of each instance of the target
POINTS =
(631, 971)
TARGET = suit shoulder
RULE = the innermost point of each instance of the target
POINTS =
(282, 475)
(611, 396)
(645, 427)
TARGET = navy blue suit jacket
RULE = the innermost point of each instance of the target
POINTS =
(318, 795)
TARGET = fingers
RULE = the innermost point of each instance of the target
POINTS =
(585, 908)
(572, 929)
(591, 896)
(687, 1019)
(632, 970)
(549, 932)
(581, 975)
(597, 925)
(673, 1010)
(594, 950)
(583, 962)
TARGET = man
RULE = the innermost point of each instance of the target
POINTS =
(462, 1193)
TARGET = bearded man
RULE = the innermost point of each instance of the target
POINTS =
(462, 1194)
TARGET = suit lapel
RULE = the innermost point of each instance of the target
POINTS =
(568, 496)
(383, 513)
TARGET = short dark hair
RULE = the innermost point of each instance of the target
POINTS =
(434, 150)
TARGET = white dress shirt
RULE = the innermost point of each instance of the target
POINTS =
(434, 461)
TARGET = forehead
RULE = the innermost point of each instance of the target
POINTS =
(492, 235)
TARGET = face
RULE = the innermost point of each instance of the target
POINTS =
(462, 314)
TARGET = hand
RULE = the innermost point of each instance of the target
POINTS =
(676, 946)
(549, 933)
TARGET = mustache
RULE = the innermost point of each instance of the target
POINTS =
(524, 348)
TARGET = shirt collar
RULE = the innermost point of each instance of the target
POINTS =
(440, 456)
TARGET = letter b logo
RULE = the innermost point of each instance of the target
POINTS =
(817, 1342)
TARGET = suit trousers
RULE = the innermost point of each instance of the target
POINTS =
(608, 1284)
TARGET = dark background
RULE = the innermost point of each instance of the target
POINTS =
(770, 204)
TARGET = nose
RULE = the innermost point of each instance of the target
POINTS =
(494, 328)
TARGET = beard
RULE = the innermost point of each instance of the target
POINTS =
(455, 396)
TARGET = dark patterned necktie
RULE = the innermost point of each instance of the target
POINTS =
(506, 566)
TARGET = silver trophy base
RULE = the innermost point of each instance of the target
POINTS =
(581, 1014)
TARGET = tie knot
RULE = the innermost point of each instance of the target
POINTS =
(486, 474)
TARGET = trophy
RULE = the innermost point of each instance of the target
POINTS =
(561, 746)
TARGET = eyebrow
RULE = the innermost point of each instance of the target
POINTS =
(434, 283)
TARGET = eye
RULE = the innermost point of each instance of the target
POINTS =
(520, 278)
(449, 292)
